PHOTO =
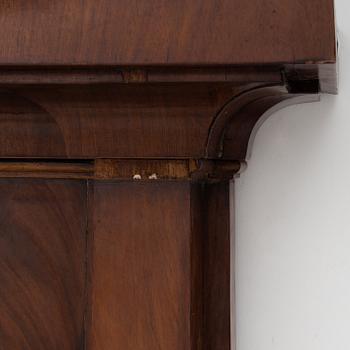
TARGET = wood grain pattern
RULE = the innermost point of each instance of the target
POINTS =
(234, 128)
(157, 256)
(169, 91)
(150, 170)
(109, 121)
(160, 266)
(210, 266)
(217, 269)
(46, 169)
(42, 264)
(90, 75)
(141, 267)
(133, 32)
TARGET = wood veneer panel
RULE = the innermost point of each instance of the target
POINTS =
(140, 295)
(42, 264)
(216, 265)
(132, 32)
(211, 267)
(111, 121)
(160, 267)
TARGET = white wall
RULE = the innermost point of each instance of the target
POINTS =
(293, 224)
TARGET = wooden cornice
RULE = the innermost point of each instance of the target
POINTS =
(193, 113)
(234, 128)
(158, 32)
(60, 101)
(142, 111)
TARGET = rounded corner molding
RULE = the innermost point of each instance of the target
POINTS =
(233, 131)
(292, 101)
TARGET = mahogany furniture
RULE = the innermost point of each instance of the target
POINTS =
(122, 124)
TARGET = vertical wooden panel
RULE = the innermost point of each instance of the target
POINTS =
(160, 268)
(210, 253)
(216, 289)
(141, 267)
(42, 264)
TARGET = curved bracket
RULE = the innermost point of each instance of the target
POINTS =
(233, 131)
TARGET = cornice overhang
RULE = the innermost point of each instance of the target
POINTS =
(196, 113)
(127, 99)
(167, 93)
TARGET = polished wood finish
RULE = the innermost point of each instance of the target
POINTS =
(42, 265)
(134, 264)
(160, 266)
(141, 295)
(211, 267)
(153, 32)
(121, 169)
(122, 124)
(217, 270)
(109, 120)
(144, 120)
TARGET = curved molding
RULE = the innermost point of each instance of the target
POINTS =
(292, 100)
(185, 117)
(233, 131)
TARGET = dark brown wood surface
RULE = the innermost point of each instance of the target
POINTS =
(217, 270)
(152, 107)
(160, 270)
(135, 265)
(121, 120)
(42, 264)
(141, 267)
(211, 267)
(134, 32)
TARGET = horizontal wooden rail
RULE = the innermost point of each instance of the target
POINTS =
(120, 169)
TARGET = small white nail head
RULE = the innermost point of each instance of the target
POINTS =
(153, 177)
(137, 177)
